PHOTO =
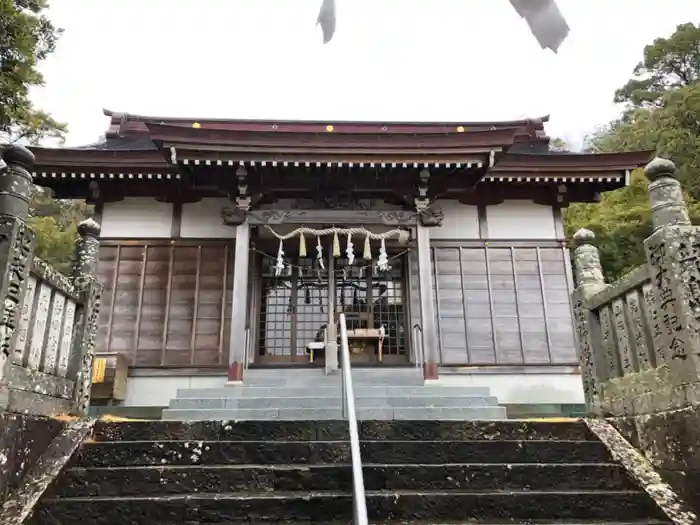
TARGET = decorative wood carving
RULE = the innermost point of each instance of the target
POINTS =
(384, 217)
(233, 216)
(431, 216)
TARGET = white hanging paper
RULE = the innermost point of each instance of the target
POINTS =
(319, 253)
(383, 260)
(279, 266)
(349, 250)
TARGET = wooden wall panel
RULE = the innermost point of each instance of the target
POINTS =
(503, 306)
(166, 304)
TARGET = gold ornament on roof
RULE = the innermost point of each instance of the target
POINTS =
(196, 125)
(329, 128)
(460, 129)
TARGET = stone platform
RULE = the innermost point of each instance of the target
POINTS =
(310, 394)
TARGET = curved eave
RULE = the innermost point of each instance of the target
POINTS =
(125, 123)
(58, 166)
(572, 162)
(273, 141)
(55, 158)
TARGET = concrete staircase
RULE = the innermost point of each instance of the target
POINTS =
(427, 472)
(310, 394)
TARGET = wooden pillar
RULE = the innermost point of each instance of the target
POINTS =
(427, 304)
(239, 308)
(331, 362)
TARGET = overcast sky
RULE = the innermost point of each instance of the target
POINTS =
(389, 60)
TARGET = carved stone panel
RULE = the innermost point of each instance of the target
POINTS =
(622, 336)
(673, 255)
(24, 321)
(638, 329)
(53, 336)
(66, 338)
(16, 244)
(610, 356)
(38, 329)
(583, 320)
(652, 321)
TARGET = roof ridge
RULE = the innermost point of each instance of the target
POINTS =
(122, 123)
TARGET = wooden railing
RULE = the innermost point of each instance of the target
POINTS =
(638, 341)
(49, 320)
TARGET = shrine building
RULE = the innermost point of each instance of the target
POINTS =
(231, 246)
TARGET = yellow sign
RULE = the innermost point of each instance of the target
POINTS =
(98, 370)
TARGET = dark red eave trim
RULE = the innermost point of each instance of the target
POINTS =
(573, 161)
(99, 157)
(184, 135)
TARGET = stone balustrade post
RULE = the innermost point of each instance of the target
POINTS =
(588, 272)
(673, 256)
(589, 281)
(16, 245)
(85, 280)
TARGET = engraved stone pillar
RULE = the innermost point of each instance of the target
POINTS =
(427, 304)
(589, 281)
(16, 245)
(673, 256)
(87, 249)
(239, 310)
(85, 260)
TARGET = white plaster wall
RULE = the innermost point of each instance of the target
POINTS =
(524, 388)
(137, 217)
(203, 220)
(461, 221)
(520, 219)
(158, 391)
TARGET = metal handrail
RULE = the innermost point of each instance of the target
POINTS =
(419, 344)
(358, 481)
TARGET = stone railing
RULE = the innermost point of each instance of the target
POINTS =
(639, 338)
(48, 322)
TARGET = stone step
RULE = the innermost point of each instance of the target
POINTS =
(332, 391)
(154, 481)
(166, 453)
(300, 377)
(319, 414)
(397, 505)
(574, 430)
(333, 402)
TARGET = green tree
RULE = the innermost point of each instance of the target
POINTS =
(55, 223)
(559, 145)
(668, 63)
(27, 36)
(662, 114)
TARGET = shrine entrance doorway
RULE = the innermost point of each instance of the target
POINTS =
(294, 308)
